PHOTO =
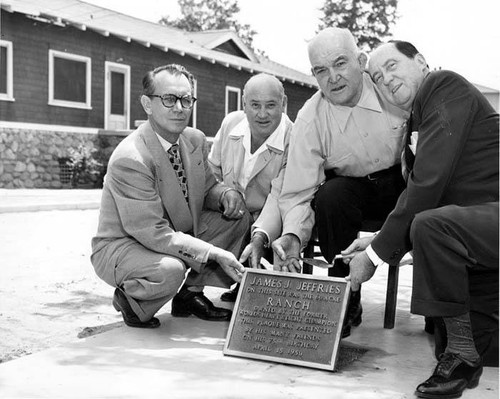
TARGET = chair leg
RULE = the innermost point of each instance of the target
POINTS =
(391, 297)
(308, 253)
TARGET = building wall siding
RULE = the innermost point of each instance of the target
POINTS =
(32, 40)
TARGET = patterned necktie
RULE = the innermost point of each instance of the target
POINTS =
(406, 154)
(175, 160)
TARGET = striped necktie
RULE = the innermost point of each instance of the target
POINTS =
(175, 160)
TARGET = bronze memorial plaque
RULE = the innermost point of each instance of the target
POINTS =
(288, 318)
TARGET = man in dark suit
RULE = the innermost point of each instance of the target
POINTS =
(448, 213)
(160, 212)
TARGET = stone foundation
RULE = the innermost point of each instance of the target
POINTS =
(34, 157)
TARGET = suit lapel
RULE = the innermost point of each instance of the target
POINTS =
(192, 159)
(238, 152)
(168, 185)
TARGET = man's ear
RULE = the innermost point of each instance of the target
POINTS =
(362, 59)
(146, 104)
(285, 103)
(419, 58)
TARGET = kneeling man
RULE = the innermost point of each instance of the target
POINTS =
(448, 213)
(160, 213)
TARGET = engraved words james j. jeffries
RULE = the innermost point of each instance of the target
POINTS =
(288, 318)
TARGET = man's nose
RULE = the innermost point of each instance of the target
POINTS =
(178, 105)
(386, 78)
(261, 112)
(334, 75)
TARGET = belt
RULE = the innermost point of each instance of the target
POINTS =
(383, 173)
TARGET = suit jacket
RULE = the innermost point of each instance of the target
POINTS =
(142, 201)
(264, 185)
(456, 158)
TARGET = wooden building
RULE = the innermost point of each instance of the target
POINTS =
(71, 73)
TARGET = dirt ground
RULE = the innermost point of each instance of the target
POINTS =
(49, 293)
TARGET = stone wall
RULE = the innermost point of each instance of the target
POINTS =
(34, 158)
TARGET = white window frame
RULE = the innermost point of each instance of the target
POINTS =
(108, 66)
(233, 90)
(9, 96)
(88, 78)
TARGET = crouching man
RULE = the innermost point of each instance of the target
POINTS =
(448, 213)
(161, 213)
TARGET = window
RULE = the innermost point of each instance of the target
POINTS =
(233, 99)
(69, 80)
(6, 72)
(192, 119)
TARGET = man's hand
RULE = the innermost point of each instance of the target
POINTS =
(362, 269)
(228, 262)
(358, 245)
(232, 204)
(255, 251)
(287, 251)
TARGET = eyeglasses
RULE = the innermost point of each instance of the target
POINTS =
(169, 100)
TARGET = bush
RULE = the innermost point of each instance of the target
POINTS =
(86, 169)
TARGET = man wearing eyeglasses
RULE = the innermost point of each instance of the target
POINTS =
(161, 213)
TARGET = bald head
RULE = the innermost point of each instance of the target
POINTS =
(264, 102)
(264, 81)
(332, 38)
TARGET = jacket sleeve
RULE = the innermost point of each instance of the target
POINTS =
(214, 158)
(443, 112)
(132, 185)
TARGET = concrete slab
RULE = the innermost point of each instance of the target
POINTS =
(183, 359)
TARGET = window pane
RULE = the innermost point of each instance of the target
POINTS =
(232, 101)
(3, 69)
(117, 93)
(70, 80)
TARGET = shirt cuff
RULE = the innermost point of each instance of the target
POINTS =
(205, 258)
(258, 230)
(373, 256)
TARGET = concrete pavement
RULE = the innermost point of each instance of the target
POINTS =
(183, 358)
(31, 200)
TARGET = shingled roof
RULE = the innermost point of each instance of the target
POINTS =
(199, 45)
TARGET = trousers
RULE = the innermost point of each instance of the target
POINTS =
(343, 204)
(150, 279)
(455, 270)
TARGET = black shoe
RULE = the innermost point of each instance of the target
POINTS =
(354, 312)
(231, 295)
(187, 303)
(120, 303)
(451, 376)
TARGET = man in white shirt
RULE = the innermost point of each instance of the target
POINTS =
(345, 151)
(249, 154)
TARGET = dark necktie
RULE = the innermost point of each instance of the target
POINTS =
(175, 160)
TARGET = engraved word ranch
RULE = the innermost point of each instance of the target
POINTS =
(288, 318)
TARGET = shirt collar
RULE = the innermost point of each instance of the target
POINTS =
(164, 143)
(276, 140)
(368, 100)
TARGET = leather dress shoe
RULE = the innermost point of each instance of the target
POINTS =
(451, 376)
(354, 311)
(231, 295)
(187, 303)
(120, 303)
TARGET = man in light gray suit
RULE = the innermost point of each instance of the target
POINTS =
(162, 212)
